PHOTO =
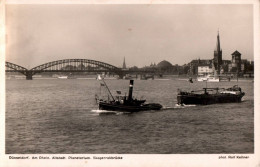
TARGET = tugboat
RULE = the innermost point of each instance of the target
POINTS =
(211, 96)
(124, 103)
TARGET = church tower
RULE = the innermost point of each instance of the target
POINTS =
(124, 66)
(217, 61)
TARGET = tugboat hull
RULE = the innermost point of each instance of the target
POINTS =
(128, 108)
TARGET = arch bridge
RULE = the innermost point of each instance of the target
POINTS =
(11, 67)
(68, 65)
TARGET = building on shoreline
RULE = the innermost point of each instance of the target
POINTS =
(235, 66)
(164, 67)
(219, 66)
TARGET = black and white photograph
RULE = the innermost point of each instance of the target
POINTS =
(119, 79)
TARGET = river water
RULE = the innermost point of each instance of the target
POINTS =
(61, 116)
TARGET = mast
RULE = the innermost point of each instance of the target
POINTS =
(101, 79)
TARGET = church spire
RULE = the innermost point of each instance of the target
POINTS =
(217, 61)
(124, 66)
(218, 43)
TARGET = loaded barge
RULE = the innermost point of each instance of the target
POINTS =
(211, 96)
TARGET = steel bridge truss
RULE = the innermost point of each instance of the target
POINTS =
(75, 65)
(71, 65)
(66, 65)
(11, 67)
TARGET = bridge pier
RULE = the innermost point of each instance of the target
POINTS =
(28, 75)
(121, 76)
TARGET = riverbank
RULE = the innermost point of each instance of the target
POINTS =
(93, 76)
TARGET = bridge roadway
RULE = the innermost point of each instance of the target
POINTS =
(74, 65)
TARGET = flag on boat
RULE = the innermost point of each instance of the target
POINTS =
(118, 92)
(99, 77)
(190, 80)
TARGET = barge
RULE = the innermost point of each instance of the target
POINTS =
(211, 96)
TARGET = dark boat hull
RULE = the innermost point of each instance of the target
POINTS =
(128, 108)
(205, 99)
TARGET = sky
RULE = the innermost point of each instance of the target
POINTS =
(143, 34)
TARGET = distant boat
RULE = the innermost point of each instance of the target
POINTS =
(67, 77)
(208, 78)
(211, 96)
(63, 77)
(128, 77)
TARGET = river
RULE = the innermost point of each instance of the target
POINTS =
(52, 116)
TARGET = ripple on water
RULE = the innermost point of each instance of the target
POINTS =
(61, 116)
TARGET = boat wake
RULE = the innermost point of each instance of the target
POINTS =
(167, 108)
(107, 112)
(178, 106)
(186, 105)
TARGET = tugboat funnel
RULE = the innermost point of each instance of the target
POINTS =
(130, 90)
